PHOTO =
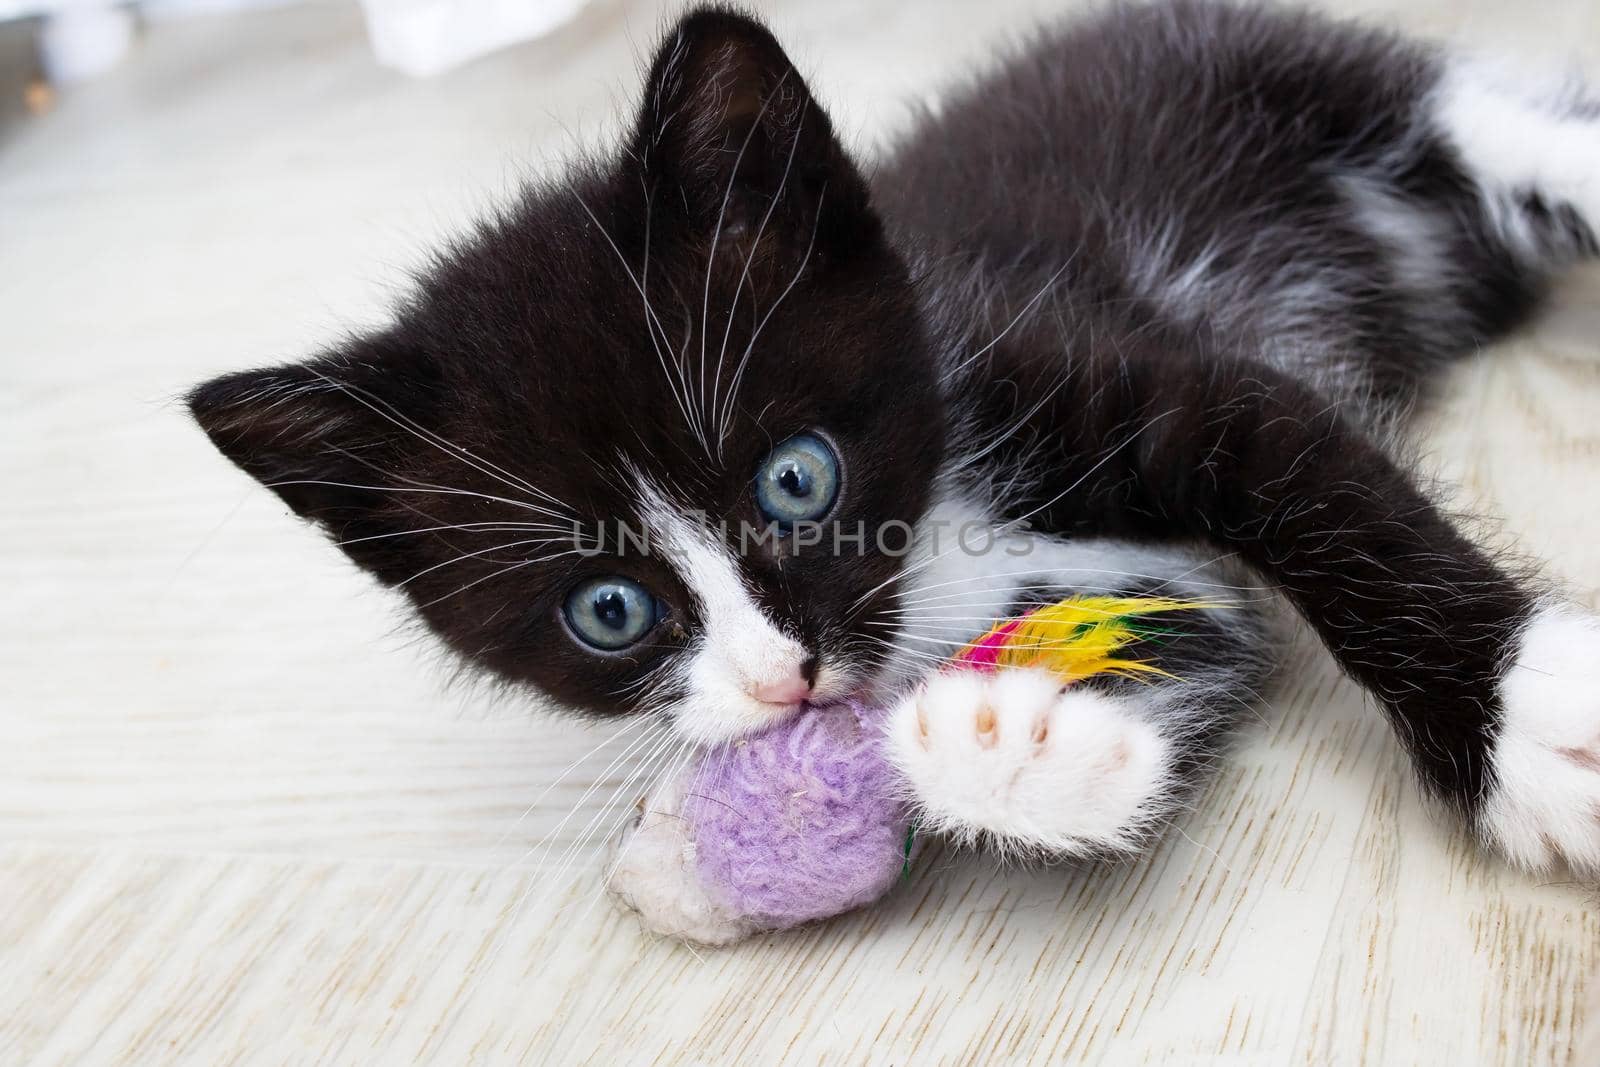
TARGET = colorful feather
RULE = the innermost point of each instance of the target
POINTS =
(1076, 637)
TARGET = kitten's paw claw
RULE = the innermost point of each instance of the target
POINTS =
(1013, 757)
(652, 872)
(1544, 806)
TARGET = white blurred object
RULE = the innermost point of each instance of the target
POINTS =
(78, 39)
(423, 37)
(82, 40)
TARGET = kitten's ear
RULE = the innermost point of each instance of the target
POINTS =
(334, 449)
(728, 123)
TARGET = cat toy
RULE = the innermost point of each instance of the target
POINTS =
(809, 819)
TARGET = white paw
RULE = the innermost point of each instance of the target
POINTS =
(1545, 806)
(1012, 757)
(652, 872)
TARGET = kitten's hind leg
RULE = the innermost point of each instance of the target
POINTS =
(1016, 760)
(1532, 152)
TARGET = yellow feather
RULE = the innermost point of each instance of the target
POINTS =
(1077, 637)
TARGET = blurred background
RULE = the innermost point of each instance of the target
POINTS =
(80, 39)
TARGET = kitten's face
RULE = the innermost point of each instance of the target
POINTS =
(573, 447)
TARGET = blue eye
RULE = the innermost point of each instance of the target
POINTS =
(799, 481)
(611, 613)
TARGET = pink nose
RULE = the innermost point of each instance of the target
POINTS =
(789, 691)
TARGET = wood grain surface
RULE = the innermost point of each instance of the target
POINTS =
(247, 815)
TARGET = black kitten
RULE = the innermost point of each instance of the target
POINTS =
(714, 426)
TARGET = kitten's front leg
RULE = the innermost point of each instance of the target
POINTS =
(1018, 761)
(1495, 691)
(1093, 769)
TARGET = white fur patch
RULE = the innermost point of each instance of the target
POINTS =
(1516, 137)
(738, 647)
(1545, 806)
(652, 872)
(1012, 757)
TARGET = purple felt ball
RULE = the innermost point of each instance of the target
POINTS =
(802, 822)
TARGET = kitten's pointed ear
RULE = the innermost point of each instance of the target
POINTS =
(333, 449)
(728, 124)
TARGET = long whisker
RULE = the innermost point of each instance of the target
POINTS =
(716, 239)
(1004, 435)
(633, 723)
(1012, 524)
(433, 490)
(927, 622)
(497, 574)
(662, 754)
(650, 318)
(744, 361)
(645, 740)
(896, 651)
(463, 557)
(650, 739)
(485, 527)
(659, 744)
(944, 642)
(674, 769)
(950, 374)
(1041, 575)
(1161, 582)
(733, 310)
(439, 441)
(567, 518)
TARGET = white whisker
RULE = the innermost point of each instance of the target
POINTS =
(950, 374)
(440, 442)
(1010, 524)
(650, 318)
(629, 726)
(489, 526)
(744, 274)
(744, 360)
(463, 557)
(499, 573)
(716, 239)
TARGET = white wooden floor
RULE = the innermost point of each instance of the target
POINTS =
(245, 817)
